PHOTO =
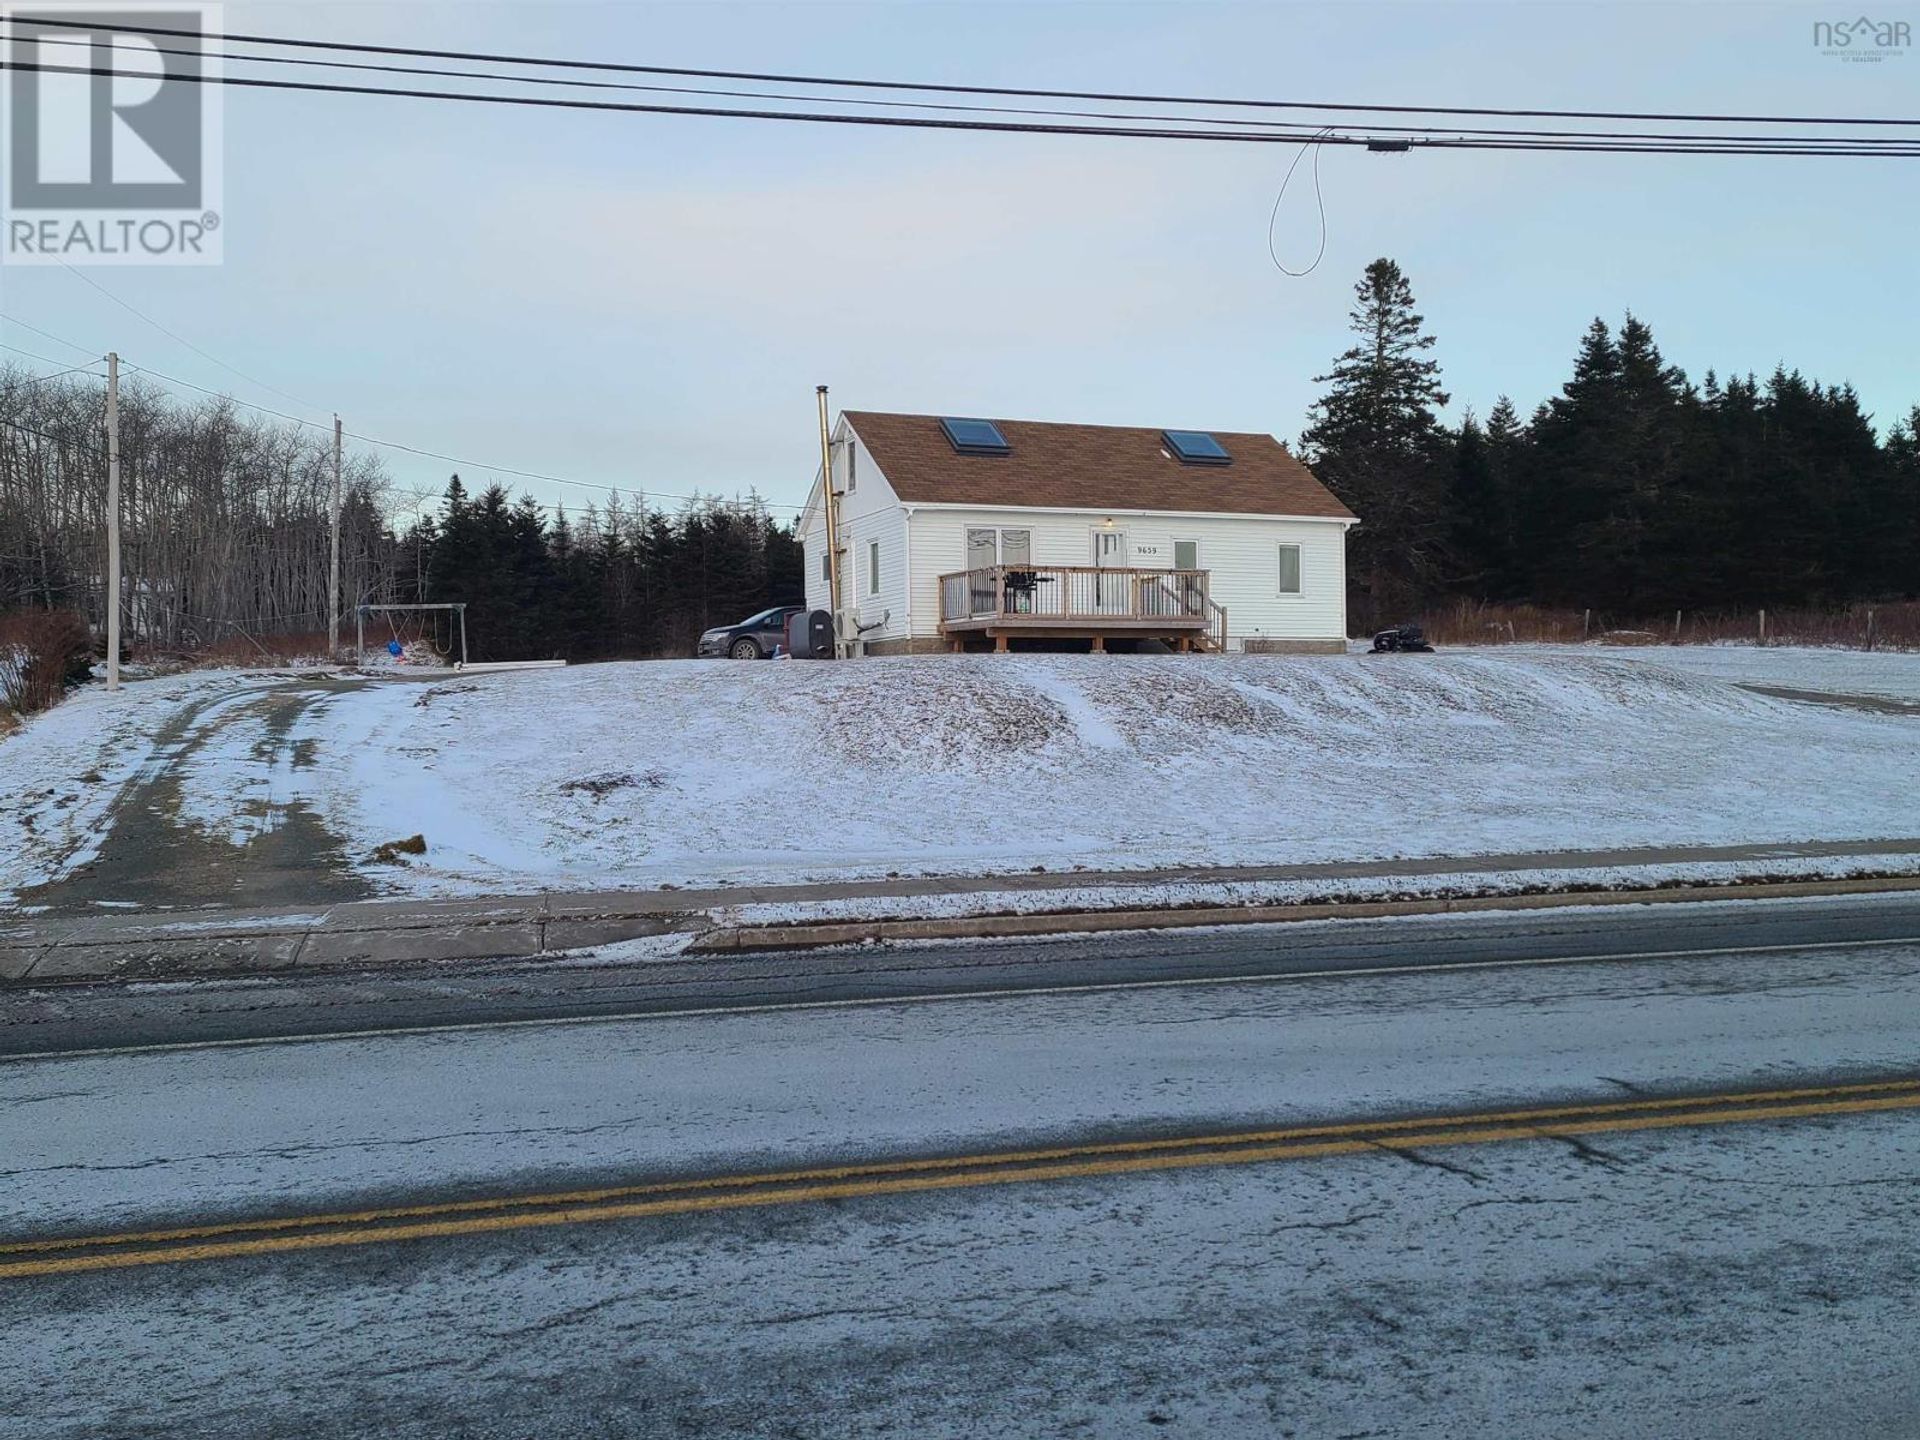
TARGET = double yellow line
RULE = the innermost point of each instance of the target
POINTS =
(73, 1255)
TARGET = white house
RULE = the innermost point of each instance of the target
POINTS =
(965, 533)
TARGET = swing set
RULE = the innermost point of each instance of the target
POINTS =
(407, 626)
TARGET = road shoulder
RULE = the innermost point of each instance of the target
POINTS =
(45, 951)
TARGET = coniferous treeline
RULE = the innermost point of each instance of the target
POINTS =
(1632, 491)
(617, 580)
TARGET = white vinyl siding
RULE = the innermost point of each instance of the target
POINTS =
(873, 530)
(1238, 552)
(813, 538)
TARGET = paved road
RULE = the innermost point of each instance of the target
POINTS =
(397, 997)
(1682, 1277)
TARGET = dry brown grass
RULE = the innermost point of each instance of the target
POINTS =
(42, 654)
(241, 651)
(1893, 626)
(1468, 623)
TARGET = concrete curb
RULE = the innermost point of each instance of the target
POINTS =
(165, 953)
(808, 936)
(107, 949)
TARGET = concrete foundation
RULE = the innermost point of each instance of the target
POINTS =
(1251, 644)
(1270, 645)
(918, 645)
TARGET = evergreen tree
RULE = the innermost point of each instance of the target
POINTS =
(1606, 502)
(1507, 443)
(531, 594)
(1383, 391)
(1480, 505)
(1902, 512)
(1374, 440)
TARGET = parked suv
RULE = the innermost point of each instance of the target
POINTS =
(753, 638)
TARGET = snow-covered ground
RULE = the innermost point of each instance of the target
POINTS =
(641, 774)
(634, 774)
(1892, 674)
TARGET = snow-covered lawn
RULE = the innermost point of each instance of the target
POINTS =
(1892, 674)
(681, 771)
(686, 772)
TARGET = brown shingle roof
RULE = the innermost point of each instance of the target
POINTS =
(1090, 467)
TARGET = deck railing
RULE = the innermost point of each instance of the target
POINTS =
(1066, 594)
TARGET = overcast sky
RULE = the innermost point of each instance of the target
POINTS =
(649, 301)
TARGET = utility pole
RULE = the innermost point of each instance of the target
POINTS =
(833, 524)
(333, 559)
(113, 520)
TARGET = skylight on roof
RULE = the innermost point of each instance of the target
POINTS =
(1196, 447)
(975, 437)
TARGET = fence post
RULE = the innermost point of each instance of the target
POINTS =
(1869, 630)
(1676, 626)
(1586, 623)
(1763, 626)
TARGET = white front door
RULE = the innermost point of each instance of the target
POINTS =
(1110, 553)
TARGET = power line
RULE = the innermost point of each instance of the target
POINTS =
(1302, 130)
(536, 475)
(181, 339)
(327, 428)
(44, 359)
(48, 334)
(1319, 204)
(480, 465)
(955, 89)
(28, 382)
(223, 395)
(1704, 145)
(79, 445)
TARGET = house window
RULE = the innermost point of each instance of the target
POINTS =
(1186, 554)
(998, 547)
(852, 449)
(1289, 569)
(826, 566)
(974, 437)
(873, 567)
(982, 549)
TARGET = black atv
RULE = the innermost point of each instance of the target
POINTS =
(1401, 640)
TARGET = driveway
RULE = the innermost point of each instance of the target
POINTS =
(162, 849)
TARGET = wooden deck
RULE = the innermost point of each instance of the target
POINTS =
(1081, 602)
